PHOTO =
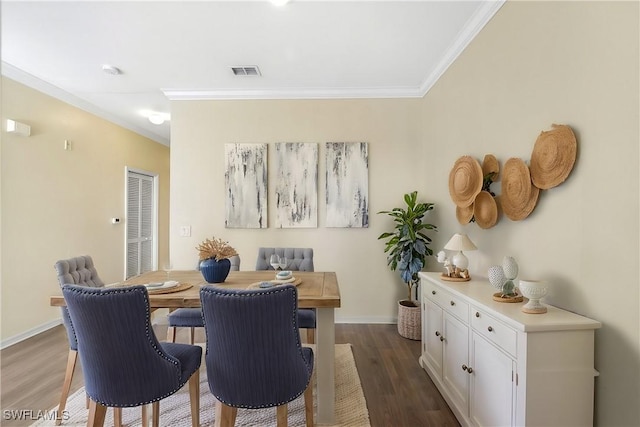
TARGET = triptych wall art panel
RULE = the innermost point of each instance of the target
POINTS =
(347, 184)
(296, 188)
(296, 185)
(246, 185)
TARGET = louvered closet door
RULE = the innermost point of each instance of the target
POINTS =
(140, 221)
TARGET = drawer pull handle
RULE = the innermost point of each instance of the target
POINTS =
(490, 329)
(441, 338)
(433, 292)
(452, 303)
(437, 333)
(477, 314)
(470, 369)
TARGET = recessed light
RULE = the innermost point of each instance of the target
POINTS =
(156, 119)
(110, 69)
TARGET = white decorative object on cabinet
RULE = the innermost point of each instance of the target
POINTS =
(498, 366)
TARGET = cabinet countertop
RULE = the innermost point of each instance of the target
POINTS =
(480, 292)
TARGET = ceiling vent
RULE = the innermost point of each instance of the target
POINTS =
(246, 70)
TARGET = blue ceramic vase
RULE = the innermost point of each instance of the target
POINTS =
(215, 271)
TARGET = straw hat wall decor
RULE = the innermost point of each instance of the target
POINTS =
(465, 181)
(552, 159)
(519, 195)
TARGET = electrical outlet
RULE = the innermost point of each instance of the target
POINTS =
(185, 231)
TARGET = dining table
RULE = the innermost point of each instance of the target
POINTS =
(318, 290)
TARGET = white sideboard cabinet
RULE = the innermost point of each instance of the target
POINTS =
(497, 366)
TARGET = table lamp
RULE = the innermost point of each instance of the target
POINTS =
(460, 242)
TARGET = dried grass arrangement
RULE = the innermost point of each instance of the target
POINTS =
(215, 248)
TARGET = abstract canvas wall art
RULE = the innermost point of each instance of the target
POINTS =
(347, 182)
(296, 188)
(246, 185)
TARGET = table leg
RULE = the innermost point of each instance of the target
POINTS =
(325, 361)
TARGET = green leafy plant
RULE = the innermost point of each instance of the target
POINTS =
(408, 245)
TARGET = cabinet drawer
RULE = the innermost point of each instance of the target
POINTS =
(494, 330)
(447, 301)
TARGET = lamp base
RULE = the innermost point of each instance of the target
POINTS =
(454, 278)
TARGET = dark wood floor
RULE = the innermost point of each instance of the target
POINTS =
(398, 392)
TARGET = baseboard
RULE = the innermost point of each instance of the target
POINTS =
(28, 334)
(368, 319)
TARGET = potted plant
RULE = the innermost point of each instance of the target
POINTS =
(407, 248)
(214, 257)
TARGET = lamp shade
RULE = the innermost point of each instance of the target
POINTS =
(460, 242)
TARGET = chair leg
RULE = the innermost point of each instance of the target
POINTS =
(117, 417)
(225, 415)
(97, 414)
(192, 338)
(155, 414)
(145, 416)
(194, 398)
(171, 334)
(311, 336)
(308, 404)
(66, 385)
(282, 415)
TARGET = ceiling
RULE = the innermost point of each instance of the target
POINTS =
(184, 50)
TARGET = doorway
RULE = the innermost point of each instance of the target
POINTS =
(141, 223)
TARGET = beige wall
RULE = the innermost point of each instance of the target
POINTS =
(58, 204)
(391, 127)
(533, 65)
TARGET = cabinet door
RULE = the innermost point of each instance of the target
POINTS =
(455, 361)
(432, 334)
(492, 387)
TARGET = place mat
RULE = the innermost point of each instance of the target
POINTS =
(256, 285)
(180, 287)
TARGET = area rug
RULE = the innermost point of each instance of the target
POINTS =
(351, 406)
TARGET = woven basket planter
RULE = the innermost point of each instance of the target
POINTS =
(409, 320)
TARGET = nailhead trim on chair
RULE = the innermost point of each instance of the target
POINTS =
(175, 362)
(211, 289)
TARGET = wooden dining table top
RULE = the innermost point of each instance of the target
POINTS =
(315, 289)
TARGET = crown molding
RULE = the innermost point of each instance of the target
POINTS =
(34, 82)
(288, 93)
(473, 26)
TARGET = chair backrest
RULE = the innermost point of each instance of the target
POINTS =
(76, 271)
(300, 259)
(122, 362)
(254, 357)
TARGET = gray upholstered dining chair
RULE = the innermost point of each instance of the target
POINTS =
(254, 357)
(123, 363)
(191, 317)
(299, 259)
(75, 271)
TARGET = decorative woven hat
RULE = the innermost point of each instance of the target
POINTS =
(464, 215)
(553, 157)
(519, 195)
(485, 210)
(465, 181)
(490, 165)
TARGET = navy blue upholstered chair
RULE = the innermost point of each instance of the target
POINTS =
(300, 259)
(191, 317)
(123, 363)
(75, 271)
(254, 356)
